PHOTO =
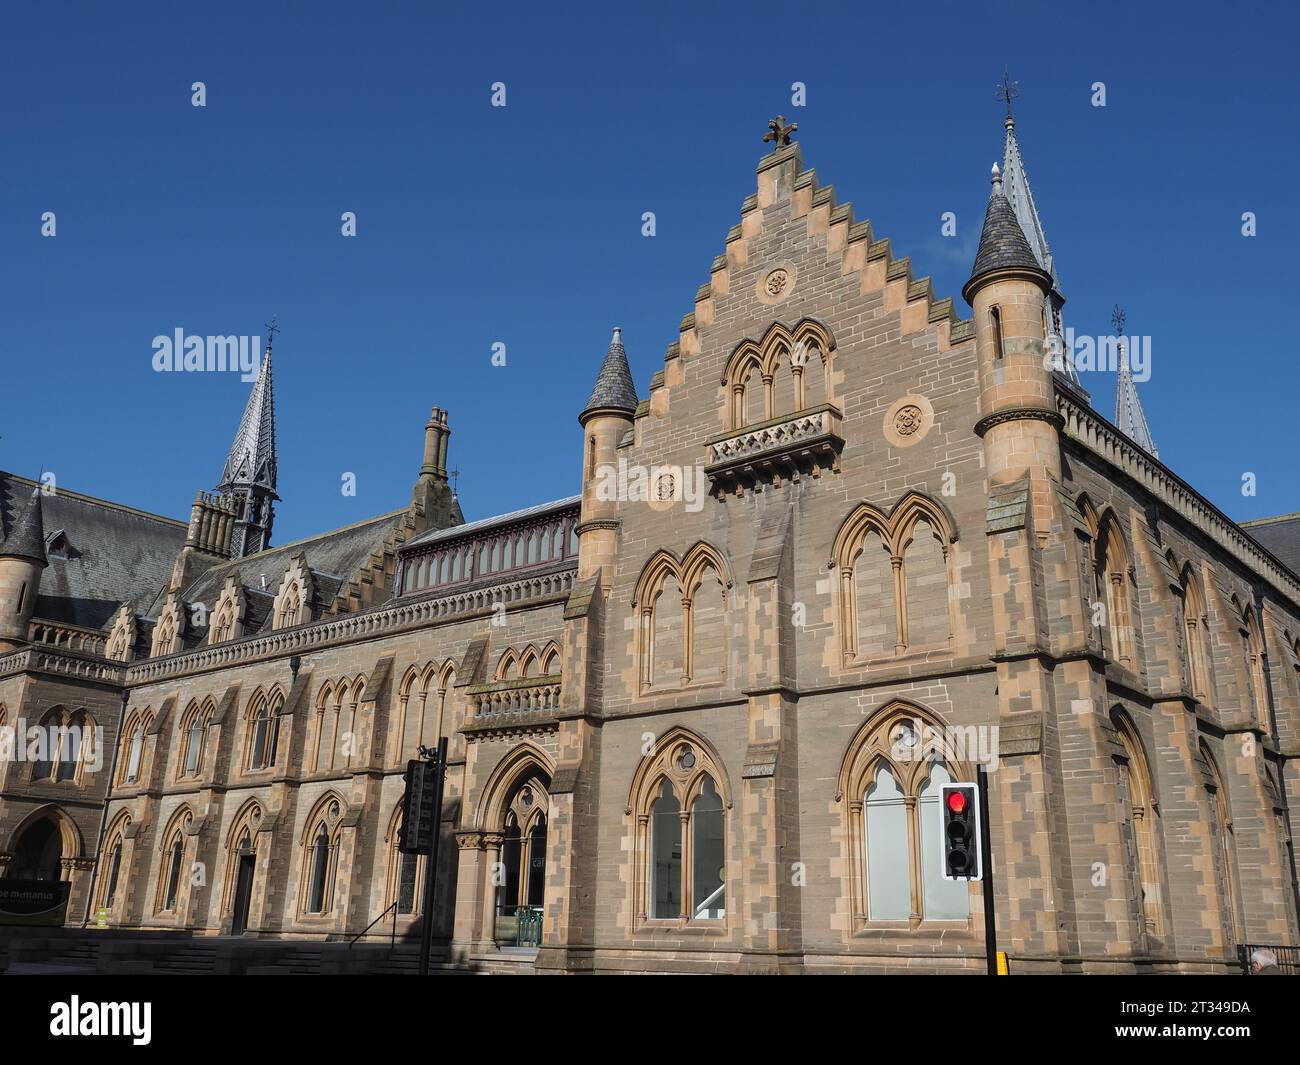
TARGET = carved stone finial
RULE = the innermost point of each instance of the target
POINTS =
(779, 133)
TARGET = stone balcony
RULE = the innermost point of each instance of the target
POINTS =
(513, 704)
(807, 442)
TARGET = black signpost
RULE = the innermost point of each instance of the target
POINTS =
(421, 817)
(986, 866)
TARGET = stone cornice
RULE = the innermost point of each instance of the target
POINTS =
(62, 663)
(1086, 427)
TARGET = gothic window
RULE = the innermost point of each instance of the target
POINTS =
(1225, 866)
(894, 574)
(679, 802)
(682, 608)
(133, 753)
(1113, 578)
(1196, 629)
(263, 730)
(223, 623)
(67, 739)
(1140, 822)
(172, 863)
(523, 850)
(193, 736)
(788, 371)
(321, 856)
(889, 789)
(166, 640)
(1256, 669)
(109, 888)
(290, 608)
(241, 865)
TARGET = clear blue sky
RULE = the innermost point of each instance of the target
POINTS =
(522, 225)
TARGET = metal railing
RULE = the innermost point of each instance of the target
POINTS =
(1288, 957)
(392, 940)
(519, 926)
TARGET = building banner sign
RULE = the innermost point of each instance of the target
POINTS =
(34, 902)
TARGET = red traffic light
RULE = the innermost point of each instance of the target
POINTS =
(956, 801)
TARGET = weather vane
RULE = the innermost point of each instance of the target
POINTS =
(1117, 319)
(778, 132)
(271, 330)
(1008, 90)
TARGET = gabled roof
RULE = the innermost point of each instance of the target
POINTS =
(334, 558)
(121, 555)
(615, 389)
(455, 532)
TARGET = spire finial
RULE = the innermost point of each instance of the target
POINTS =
(271, 329)
(1008, 91)
(997, 180)
(1117, 319)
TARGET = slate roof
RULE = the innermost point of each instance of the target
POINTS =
(116, 554)
(615, 389)
(1280, 535)
(469, 529)
(333, 557)
(1002, 241)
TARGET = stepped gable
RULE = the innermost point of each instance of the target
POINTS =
(100, 554)
(782, 177)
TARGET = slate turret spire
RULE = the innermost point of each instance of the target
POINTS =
(615, 390)
(1130, 419)
(1016, 187)
(249, 475)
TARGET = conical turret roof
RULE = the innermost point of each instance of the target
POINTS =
(1002, 242)
(614, 389)
(27, 537)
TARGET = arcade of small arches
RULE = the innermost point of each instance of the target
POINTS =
(787, 371)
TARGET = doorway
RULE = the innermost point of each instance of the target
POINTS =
(243, 892)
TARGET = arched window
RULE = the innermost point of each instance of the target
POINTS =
(132, 753)
(786, 372)
(1196, 628)
(193, 732)
(1113, 581)
(66, 743)
(680, 802)
(114, 871)
(894, 579)
(682, 608)
(1256, 669)
(264, 730)
(321, 857)
(1140, 822)
(1225, 858)
(108, 889)
(889, 788)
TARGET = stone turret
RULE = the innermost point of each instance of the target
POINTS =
(1018, 417)
(605, 419)
(22, 560)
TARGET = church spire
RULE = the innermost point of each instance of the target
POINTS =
(248, 478)
(1015, 181)
(1129, 416)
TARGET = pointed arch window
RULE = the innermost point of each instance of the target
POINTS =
(114, 870)
(1140, 820)
(889, 790)
(405, 871)
(264, 731)
(682, 609)
(1225, 865)
(680, 805)
(194, 729)
(321, 859)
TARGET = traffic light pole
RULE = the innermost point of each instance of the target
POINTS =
(431, 859)
(986, 868)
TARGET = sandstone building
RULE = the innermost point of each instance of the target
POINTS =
(701, 738)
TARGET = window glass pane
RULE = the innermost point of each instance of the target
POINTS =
(707, 857)
(944, 899)
(114, 867)
(133, 762)
(666, 854)
(258, 752)
(174, 875)
(195, 747)
(511, 853)
(889, 881)
(319, 869)
(537, 863)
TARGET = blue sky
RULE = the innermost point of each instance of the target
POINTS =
(522, 225)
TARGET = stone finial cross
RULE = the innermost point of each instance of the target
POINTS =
(778, 132)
